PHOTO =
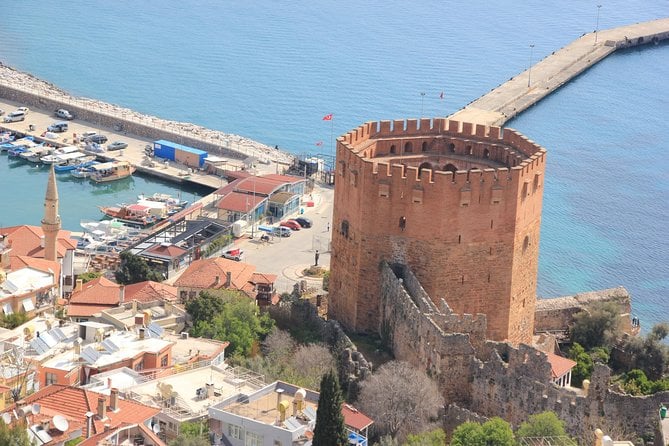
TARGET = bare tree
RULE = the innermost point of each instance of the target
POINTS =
(16, 372)
(400, 398)
(312, 362)
(278, 345)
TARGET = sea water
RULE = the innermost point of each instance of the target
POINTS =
(271, 70)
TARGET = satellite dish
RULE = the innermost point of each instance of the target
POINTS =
(36, 409)
(156, 428)
(7, 418)
(60, 423)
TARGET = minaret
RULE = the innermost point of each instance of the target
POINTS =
(51, 220)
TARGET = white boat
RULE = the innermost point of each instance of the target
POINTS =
(169, 200)
(57, 155)
(35, 154)
(75, 163)
(6, 137)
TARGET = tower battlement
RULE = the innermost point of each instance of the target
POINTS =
(458, 203)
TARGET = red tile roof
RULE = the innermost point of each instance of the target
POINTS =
(80, 310)
(171, 251)
(100, 291)
(283, 178)
(18, 262)
(27, 241)
(212, 274)
(354, 418)
(149, 291)
(73, 403)
(262, 186)
(559, 365)
(239, 202)
(95, 440)
(263, 278)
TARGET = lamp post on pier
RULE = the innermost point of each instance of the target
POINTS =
(422, 99)
(529, 71)
(597, 24)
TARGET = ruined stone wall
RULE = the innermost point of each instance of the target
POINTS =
(470, 237)
(558, 313)
(495, 378)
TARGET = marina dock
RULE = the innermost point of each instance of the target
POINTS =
(543, 78)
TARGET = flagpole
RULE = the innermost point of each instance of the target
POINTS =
(332, 135)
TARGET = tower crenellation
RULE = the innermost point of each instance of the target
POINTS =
(459, 203)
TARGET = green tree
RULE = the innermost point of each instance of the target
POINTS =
(635, 382)
(330, 430)
(183, 440)
(88, 276)
(14, 435)
(584, 364)
(596, 327)
(204, 307)
(436, 437)
(194, 429)
(545, 424)
(494, 432)
(468, 434)
(134, 269)
(497, 432)
(238, 321)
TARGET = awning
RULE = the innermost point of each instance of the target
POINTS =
(28, 304)
(7, 309)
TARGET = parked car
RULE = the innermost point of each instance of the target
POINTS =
(64, 114)
(233, 254)
(2, 112)
(304, 222)
(292, 224)
(57, 127)
(117, 145)
(97, 139)
(84, 136)
(25, 110)
(15, 116)
(281, 231)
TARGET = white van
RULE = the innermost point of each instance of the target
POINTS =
(15, 116)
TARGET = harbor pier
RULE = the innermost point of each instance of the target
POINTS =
(543, 78)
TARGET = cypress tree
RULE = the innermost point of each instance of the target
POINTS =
(330, 430)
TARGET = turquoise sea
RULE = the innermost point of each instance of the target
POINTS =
(271, 70)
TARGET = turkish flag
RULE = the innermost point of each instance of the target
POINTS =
(327, 117)
(319, 143)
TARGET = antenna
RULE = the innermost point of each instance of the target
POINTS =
(7, 418)
(36, 409)
(156, 428)
(60, 423)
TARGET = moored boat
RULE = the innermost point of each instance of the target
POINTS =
(11, 144)
(134, 214)
(168, 199)
(115, 170)
(35, 154)
(83, 171)
(75, 163)
(59, 155)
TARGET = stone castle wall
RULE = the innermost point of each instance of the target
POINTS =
(557, 313)
(493, 378)
(471, 236)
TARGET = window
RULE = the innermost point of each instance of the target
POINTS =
(163, 361)
(51, 378)
(235, 431)
(392, 149)
(384, 190)
(344, 228)
(139, 366)
(451, 148)
(408, 147)
(424, 147)
(253, 439)
(183, 295)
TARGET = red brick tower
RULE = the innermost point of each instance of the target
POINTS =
(460, 204)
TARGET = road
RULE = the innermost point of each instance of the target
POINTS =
(288, 256)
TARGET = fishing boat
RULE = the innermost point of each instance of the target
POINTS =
(115, 170)
(19, 146)
(9, 143)
(74, 163)
(5, 137)
(134, 214)
(164, 198)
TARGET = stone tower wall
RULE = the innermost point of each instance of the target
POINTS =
(470, 236)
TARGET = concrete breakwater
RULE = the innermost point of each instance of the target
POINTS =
(540, 80)
(28, 90)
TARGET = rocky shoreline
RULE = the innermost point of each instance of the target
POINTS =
(14, 79)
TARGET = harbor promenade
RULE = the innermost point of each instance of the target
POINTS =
(529, 87)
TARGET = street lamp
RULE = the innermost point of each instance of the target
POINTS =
(529, 71)
(597, 25)
(422, 98)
